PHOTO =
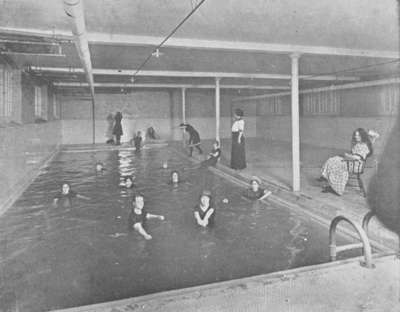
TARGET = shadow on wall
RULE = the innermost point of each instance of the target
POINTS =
(384, 189)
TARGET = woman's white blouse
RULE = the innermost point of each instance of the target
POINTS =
(238, 125)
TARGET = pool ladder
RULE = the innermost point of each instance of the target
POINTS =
(363, 234)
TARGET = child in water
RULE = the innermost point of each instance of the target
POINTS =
(255, 191)
(99, 167)
(65, 196)
(174, 178)
(128, 182)
(137, 141)
(139, 216)
(204, 214)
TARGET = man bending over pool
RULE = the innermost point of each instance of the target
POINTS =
(139, 216)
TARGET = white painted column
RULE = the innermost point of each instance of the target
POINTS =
(217, 108)
(295, 123)
(183, 114)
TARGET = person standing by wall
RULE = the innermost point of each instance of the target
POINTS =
(238, 153)
(117, 131)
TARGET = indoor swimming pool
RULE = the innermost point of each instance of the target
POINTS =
(60, 257)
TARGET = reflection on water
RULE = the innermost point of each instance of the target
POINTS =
(54, 257)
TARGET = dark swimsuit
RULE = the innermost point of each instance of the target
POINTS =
(65, 200)
(254, 195)
(137, 218)
(202, 214)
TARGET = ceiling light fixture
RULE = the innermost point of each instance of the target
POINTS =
(157, 53)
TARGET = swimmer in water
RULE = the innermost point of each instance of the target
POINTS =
(174, 178)
(204, 214)
(137, 141)
(255, 191)
(64, 198)
(139, 216)
(128, 182)
(99, 167)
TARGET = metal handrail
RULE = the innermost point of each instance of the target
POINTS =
(366, 219)
(362, 234)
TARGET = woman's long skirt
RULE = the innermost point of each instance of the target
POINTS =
(335, 171)
(238, 153)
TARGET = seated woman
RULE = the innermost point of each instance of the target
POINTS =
(255, 191)
(335, 171)
(151, 134)
(204, 214)
(213, 156)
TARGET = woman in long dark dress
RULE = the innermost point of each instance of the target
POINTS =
(238, 153)
(117, 131)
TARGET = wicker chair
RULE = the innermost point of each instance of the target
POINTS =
(356, 169)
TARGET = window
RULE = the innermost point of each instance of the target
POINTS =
(389, 97)
(321, 103)
(273, 105)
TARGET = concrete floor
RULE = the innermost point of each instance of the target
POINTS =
(341, 287)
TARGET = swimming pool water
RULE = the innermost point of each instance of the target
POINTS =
(55, 257)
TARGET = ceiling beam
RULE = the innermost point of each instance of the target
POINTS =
(363, 84)
(169, 73)
(132, 40)
(164, 85)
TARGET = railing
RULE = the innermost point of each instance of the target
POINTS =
(366, 220)
(362, 234)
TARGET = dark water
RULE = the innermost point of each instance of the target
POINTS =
(63, 257)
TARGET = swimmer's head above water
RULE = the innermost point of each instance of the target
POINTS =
(205, 198)
(128, 180)
(138, 201)
(66, 188)
(99, 166)
(174, 176)
(255, 183)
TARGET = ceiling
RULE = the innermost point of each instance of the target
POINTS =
(340, 41)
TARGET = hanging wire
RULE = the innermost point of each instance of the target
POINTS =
(169, 36)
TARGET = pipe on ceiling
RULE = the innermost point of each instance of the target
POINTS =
(74, 10)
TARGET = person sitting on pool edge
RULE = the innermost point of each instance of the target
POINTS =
(213, 156)
(204, 214)
(151, 134)
(139, 216)
(65, 196)
(255, 191)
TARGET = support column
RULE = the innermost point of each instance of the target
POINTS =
(183, 114)
(295, 122)
(217, 108)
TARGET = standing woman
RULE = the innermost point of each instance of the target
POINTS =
(117, 131)
(238, 154)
